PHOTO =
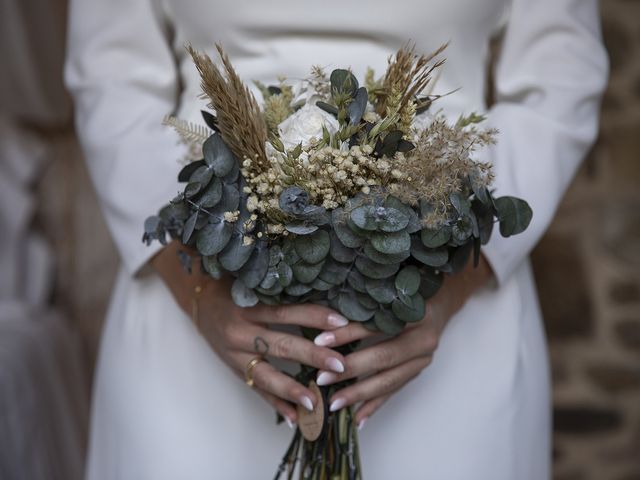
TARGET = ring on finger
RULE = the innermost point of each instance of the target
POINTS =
(248, 371)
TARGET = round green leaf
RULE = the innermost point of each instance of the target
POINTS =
(285, 274)
(189, 226)
(213, 238)
(435, 238)
(391, 243)
(202, 175)
(385, 259)
(338, 251)
(408, 280)
(383, 290)
(366, 301)
(236, 253)
(242, 295)
(334, 272)
(372, 269)
(392, 220)
(254, 271)
(364, 217)
(313, 248)
(430, 283)
(192, 189)
(306, 272)
(388, 323)
(212, 194)
(218, 156)
(514, 215)
(412, 309)
(433, 257)
(414, 225)
(357, 281)
(212, 266)
(349, 306)
(297, 289)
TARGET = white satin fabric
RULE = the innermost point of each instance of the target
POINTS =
(165, 406)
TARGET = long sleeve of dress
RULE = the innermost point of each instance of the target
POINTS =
(122, 75)
(549, 79)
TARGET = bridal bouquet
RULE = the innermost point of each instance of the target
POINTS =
(335, 192)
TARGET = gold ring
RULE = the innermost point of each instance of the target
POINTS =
(248, 371)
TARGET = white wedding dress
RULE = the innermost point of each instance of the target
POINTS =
(164, 405)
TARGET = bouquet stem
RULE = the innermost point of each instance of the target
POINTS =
(334, 455)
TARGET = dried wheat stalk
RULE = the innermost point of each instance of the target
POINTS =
(239, 118)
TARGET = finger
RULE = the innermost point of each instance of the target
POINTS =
(251, 338)
(383, 383)
(305, 315)
(409, 345)
(272, 381)
(283, 408)
(341, 336)
(368, 408)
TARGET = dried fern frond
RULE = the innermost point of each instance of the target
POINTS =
(190, 133)
(239, 118)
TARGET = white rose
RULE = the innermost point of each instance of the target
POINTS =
(306, 124)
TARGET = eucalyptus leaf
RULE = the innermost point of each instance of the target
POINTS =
(391, 243)
(357, 107)
(338, 251)
(285, 274)
(188, 169)
(430, 283)
(364, 217)
(242, 295)
(211, 195)
(314, 247)
(301, 228)
(408, 280)
(298, 289)
(343, 81)
(236, 253)
(413, 224)
(306, 272)
(460, 203)
(270, 279)
(372, 269)
(410, 310)
(254, 271)
(217, 155)
(189, 226)
(460, 257)
(514, 215)
(349, 306)
(213, 238)
(334, 272)
(484, 216)
(388, 323)
(192, 189)
(202, 175)
(434, 257)
(357, 281)
(382, 290)
(211, 265)
(321, 285)
(293, 200)
(385, 259)
(392, 220)
(434, 238)
(462, 230)
(366, 301)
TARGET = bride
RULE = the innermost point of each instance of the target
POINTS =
(466, 394)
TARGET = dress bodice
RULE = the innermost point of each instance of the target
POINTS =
(287, 37)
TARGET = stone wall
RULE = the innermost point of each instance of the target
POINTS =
(588, 274)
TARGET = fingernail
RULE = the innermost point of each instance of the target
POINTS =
(292, 425)
(325, 378)
(334, 364)
(361, 424)
(324, 339)
(336, 320)
(337, 405)
(306, 403)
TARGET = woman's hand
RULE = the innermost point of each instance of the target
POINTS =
(389, 365)
(238, 335)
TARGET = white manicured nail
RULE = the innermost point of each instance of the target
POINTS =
(306, 403)
(361, 424)
(337, 405)
(325, 378)
(336, 320)
(324, 339)
(334, 364)
(292, 425)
